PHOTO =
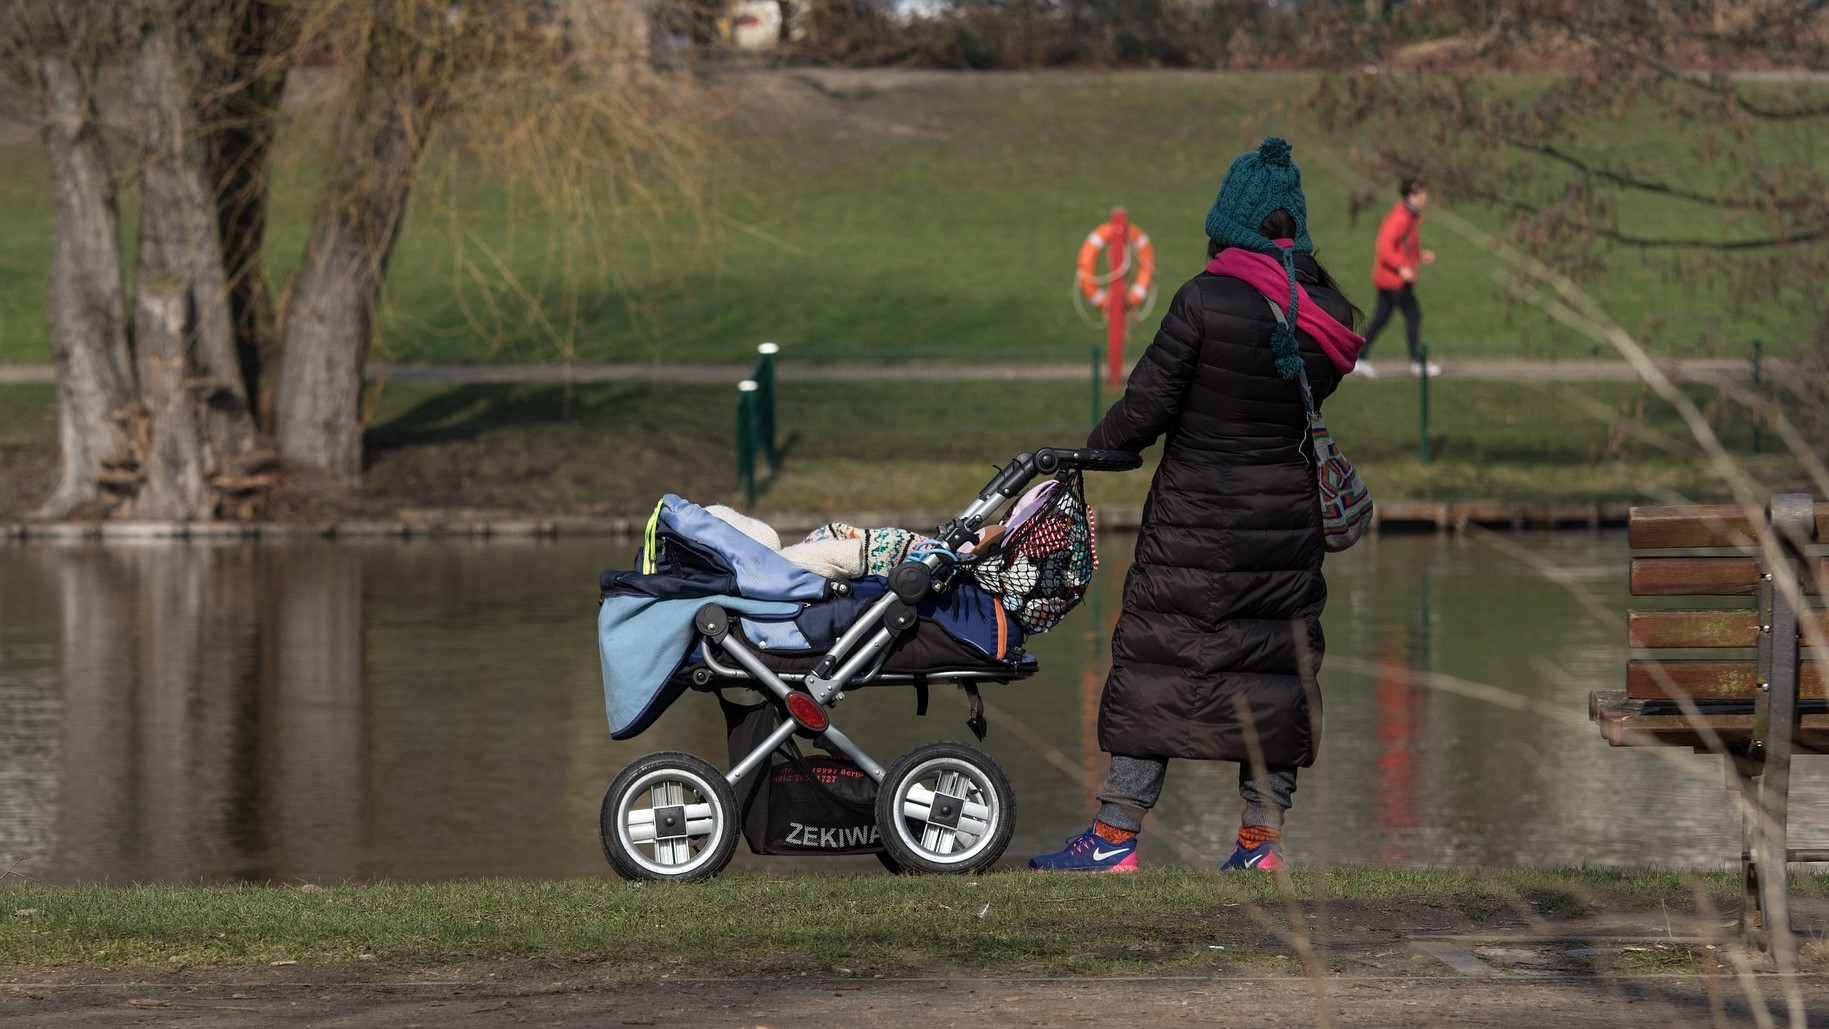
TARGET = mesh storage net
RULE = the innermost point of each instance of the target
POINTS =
(1041, 564)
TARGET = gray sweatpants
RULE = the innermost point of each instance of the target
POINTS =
(1135, 783)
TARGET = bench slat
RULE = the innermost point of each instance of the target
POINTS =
(1624, 723)
(1709, 576)
(1710, 680)
(1722, 525)
(1625, 729)
(1720, 628)
(1695, 576)
(1692, 628)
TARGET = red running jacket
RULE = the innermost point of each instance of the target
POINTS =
(1399, 247)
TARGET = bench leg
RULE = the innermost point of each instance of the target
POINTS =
(1773, 839)
(1792, 523)
(1743, 779)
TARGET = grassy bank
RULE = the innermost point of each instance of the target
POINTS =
(1160, 921)
(907, 215)
(919, 446)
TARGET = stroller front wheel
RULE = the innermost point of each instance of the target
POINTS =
(945, 808)
(669, 817)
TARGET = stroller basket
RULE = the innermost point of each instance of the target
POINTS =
(713, 609)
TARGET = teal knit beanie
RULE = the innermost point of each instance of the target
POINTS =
(1259, 182)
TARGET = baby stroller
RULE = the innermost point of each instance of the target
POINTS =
(714, 610)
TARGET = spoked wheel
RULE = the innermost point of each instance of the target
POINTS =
(945, 807)
(669, 817)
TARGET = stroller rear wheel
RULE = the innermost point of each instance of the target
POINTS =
(669, 817)
(945, 808)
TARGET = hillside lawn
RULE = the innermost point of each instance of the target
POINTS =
(890, 214)
(887, 216)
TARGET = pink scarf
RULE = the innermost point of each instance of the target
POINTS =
(1266, 275)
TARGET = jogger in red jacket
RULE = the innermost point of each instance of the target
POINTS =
(1399, 255)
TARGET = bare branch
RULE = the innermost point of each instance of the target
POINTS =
(1653, 242)
(1727, 90)
(1633, 181)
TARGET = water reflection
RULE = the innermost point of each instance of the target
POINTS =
(425, 710)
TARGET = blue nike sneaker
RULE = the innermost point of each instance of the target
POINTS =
(1089, 852)
(1265, 857)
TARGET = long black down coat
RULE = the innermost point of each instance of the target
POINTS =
(1220, 638)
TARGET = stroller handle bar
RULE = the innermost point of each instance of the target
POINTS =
(1048, 460)
(1010, 480)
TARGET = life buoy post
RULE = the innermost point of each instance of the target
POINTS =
(1118, 254)
(1130, 263)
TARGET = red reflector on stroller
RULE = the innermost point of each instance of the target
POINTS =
(807, 712)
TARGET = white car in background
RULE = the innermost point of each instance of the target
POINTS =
(755, 24)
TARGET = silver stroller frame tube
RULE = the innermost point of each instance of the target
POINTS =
(715, 625)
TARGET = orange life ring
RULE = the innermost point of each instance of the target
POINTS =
(1142, 271)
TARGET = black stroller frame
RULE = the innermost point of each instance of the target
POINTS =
(942, 807)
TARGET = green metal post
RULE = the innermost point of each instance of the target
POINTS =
(1422, 381)
(746, 440)
(765, 402)
(1758, 401)
(1096, 411)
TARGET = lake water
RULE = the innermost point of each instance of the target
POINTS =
(428, 710)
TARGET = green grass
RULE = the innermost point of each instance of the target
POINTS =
(854, 448)
(928, 447)
(25, 253)
(1158, 921)
(936, 217)
(28, 416)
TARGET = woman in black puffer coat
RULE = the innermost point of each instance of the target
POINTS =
(1219, 639)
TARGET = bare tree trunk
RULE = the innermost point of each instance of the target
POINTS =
(190, 383)
(174, 471)
(331, 315)
(244, 79)
(88, 331)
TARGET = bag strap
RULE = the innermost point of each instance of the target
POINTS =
(1308, 394)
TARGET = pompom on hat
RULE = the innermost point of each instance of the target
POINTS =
(1258, 182)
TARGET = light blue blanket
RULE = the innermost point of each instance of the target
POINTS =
(643, 640)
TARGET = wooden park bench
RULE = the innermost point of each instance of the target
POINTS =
(1756, 708)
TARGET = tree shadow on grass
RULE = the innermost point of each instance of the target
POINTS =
(593, 448)
(465, 413)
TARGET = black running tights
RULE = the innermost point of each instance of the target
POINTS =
(1404, 300)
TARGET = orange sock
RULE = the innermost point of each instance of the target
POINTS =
(1111, 833)
(1253, 836)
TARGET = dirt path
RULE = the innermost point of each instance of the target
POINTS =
(561, 997)
(1601, 971)
(1642, 1000)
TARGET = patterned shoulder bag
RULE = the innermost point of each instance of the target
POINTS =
(1346, 505)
